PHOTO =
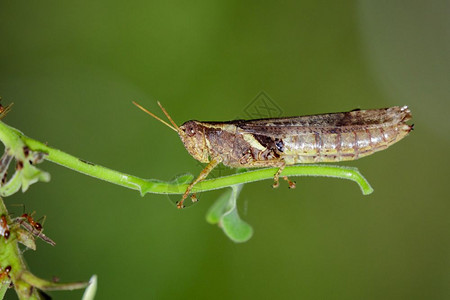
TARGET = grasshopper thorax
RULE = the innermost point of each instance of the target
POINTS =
(192, 134)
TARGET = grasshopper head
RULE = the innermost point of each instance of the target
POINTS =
(193, 138)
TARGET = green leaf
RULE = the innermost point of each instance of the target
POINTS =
(224, 213)
(12, 186)
(3, 289)
(91, 290)
(25, 238)
(26, 173)
(235, 228)
(217, 210)
(31, 174)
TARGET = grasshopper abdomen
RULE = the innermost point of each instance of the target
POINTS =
(340, 145)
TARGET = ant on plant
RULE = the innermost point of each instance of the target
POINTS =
(28, 218)
(31, 221)
(4, 228)
(5, 273)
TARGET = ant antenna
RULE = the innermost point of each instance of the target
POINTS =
(5, 110)
(174, 127)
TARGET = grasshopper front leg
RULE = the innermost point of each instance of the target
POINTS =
(203, 174)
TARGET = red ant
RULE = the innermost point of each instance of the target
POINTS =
(35, 228)
(33, 223)
(29, 219)
(4, 228)
(5, 273)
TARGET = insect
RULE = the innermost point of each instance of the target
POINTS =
(31, 221)
(5, 273)
(4, 110)
(4, 228)
(287, 141)
(35, 228)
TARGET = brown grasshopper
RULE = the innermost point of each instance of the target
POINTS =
(288, 141)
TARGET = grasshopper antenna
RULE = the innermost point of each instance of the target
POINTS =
(174, 127)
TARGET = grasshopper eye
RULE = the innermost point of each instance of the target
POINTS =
(189, 129)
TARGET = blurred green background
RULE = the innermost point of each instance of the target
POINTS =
(72, 69)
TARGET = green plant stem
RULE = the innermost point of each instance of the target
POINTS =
(11, 255)
(15, 137)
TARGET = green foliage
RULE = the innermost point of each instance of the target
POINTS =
(224, 213)
(12, 266)
(26, 173)
(28, 152)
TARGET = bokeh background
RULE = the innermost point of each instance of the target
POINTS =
(72, 69)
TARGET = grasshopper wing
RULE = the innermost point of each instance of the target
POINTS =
(334, 122)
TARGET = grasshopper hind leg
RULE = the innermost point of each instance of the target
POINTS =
(291, 183)
(276, 177)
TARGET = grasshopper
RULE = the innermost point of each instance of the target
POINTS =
(287, 141)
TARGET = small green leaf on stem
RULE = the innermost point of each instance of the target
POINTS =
(25, 173)
(217, 210)
(91, 290)
(224, 213)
